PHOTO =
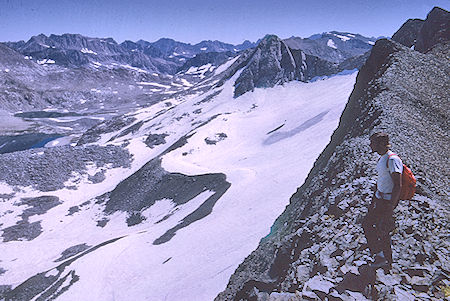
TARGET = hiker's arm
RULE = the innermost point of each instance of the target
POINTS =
(397, 179)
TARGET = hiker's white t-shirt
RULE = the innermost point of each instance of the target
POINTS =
(384, 182)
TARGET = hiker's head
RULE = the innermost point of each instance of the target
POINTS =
(379, 142)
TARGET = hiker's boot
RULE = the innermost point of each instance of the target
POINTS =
(380, 262)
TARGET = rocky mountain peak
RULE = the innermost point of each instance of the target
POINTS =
(423, 35)
(435, 29)
(269, 64)
(407, 34)
(274, 62)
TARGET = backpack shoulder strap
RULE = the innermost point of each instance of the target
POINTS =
(389, 156)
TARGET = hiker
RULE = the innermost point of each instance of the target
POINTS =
(379, 221)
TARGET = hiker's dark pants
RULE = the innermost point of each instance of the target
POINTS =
(377, 225)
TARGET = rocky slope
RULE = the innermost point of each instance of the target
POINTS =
(316, 249)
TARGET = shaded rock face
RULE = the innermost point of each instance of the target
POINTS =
(435, 29)
(316, 248)
(12, 59)
(270, 64)
(425, 34)
(407, 34)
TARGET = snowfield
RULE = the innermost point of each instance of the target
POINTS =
(264, 142)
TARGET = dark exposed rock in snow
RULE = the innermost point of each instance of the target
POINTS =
(74, 250)
(152, 183)
(23, 229)
(39, 205)
(50, 284)
(316, 248)
(155, 139)
(112, 125)
(48, 169)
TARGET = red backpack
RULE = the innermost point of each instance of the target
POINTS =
(408, 181)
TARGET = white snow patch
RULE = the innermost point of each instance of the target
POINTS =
(45, 61)
(225, 65)
(5, 188)
(153, 84)
(85, 50)
(371, 43)
(331, 44)
(186, 83)
(200, 71)
(203, 48)
(343, 38)
(133, 68)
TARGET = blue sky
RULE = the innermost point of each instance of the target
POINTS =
(192, 21)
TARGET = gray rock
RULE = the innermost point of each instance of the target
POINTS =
(48, 169)
(38, 206)
(22, 230)
(98, 177)
(435, 29)
(407, 34)
(319, 284)
(403, 294)
(69, 252)
(303, 273)
(155, 139)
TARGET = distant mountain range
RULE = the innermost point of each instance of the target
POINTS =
(74, 50)
(333, 46)
(167, 55)
(73, 71)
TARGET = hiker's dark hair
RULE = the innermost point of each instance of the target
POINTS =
(381, 137)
